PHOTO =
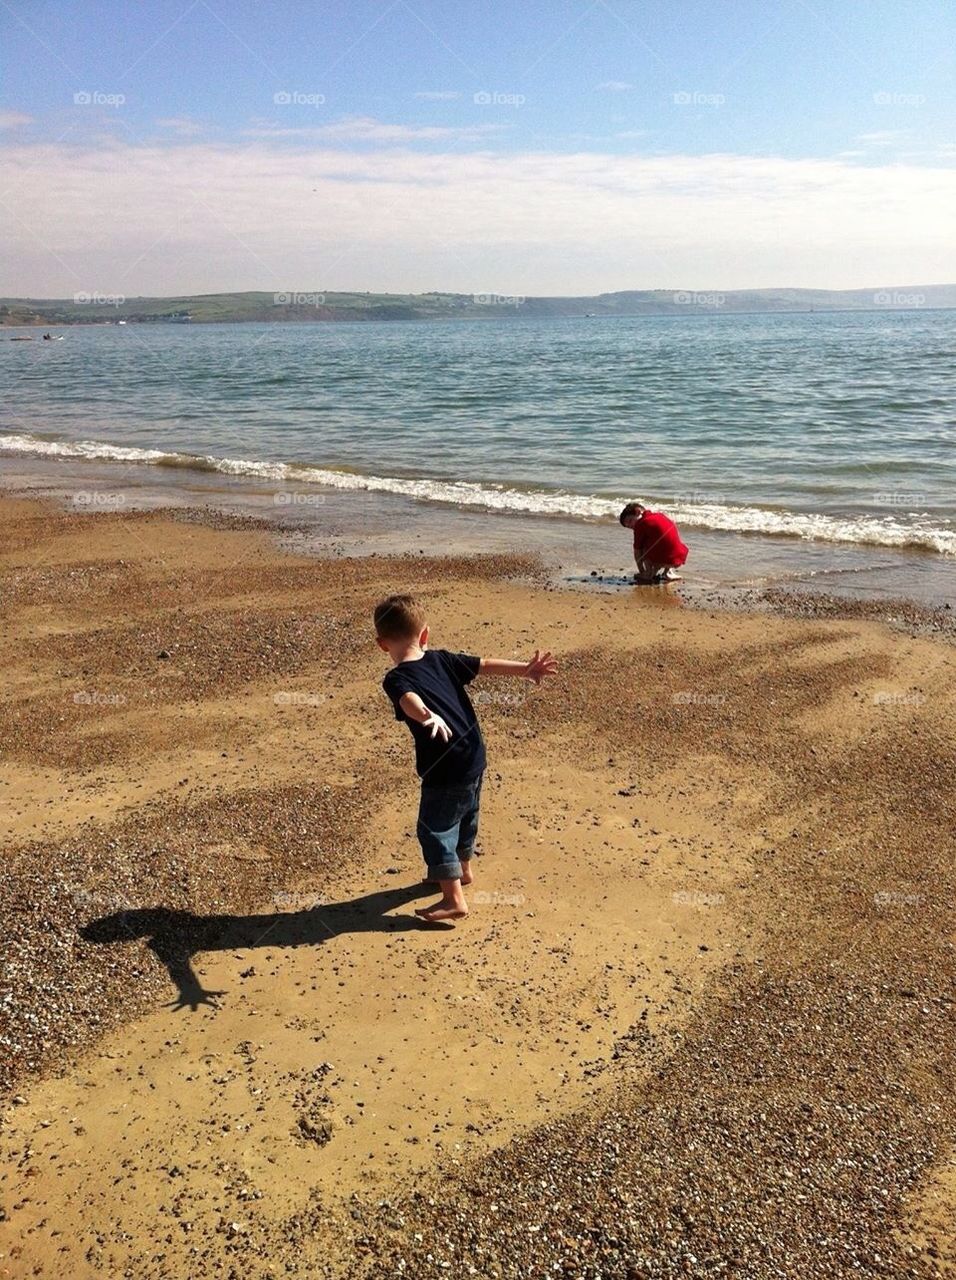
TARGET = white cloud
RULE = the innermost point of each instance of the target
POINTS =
(198, 217)
(613, 86)
(14, 119)
(368, 129)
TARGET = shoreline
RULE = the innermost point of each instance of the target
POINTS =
(697, 909)
(700, 512)
(726, 569)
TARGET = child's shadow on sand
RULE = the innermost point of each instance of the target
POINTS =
(176, 936)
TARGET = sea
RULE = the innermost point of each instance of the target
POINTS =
(812, 448)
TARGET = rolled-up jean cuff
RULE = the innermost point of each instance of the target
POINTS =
(445, 870)
(447, 827)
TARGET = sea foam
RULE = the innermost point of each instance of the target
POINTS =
(899, 529)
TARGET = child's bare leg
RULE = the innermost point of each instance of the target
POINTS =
(451, 907)
(645, 571)
(466, 873)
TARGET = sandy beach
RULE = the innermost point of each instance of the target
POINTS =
(699, 1021)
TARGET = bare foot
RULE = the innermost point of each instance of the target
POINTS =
(442, 912)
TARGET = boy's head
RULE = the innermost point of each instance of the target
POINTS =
(399, 622)
(633, 512)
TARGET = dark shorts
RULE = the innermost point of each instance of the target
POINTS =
(447, 827)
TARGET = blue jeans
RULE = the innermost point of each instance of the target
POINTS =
(447, 827)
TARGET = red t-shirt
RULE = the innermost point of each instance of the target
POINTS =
(656, 539)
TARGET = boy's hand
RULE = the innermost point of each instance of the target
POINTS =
(541, 665)
(437, 726)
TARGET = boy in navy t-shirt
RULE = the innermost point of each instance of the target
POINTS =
(427, 689)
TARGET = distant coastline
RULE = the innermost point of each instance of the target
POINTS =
(323, 307)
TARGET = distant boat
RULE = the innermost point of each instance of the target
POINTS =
(121, 322)
(27, 338)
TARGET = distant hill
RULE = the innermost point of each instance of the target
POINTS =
(318, 306)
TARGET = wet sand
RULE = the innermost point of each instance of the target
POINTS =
(699, 1022)
(723, 567)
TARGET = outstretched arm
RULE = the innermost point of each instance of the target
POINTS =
(176, 955)
(536, 668)
(416, 710)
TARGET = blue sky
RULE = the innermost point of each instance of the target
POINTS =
(805, 115)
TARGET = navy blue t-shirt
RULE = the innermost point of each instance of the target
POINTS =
(439, 679)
